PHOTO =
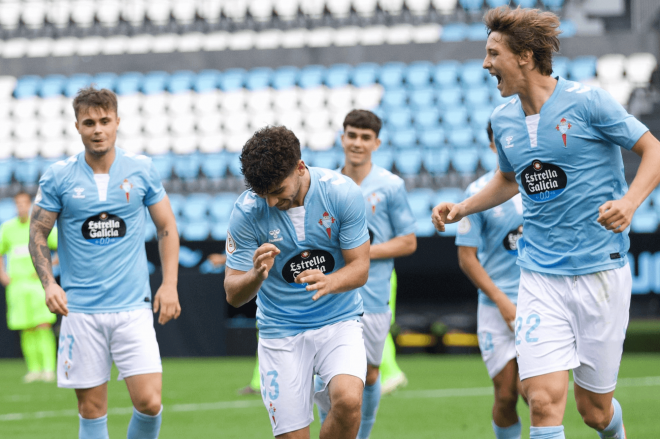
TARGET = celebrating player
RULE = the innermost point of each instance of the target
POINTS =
(487, 249)
(392, 232)
(298, 241)
(26, 306)
(558, 144)
(98, 198)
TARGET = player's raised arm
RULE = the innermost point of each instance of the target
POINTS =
(502, 187)
(41, 223)
(243, 286)
(616, 215)
(167, 297)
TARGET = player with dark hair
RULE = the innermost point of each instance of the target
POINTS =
(558, 143)
(487, 248)
(98, 199)
(26, 301)
(392, 232)
(298, 241)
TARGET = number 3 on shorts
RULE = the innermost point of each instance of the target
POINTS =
(274, 386)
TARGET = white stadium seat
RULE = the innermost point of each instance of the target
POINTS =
(165, 43)
(156, 125)
(259, 100)
(235, 10)
(115, 45)
(295, 38)
(10, 14)
(7, 84)
(154, 104)
(374, 35)
(140, 44)
(128, 105)
(207, 102)
(235, 141)
(215, 41)
(65, 46)
(51, 129)
(241, 40)
(184, 11)
(52, 107)
(25, 108)
(445, 7)
(365, 8)
(157, 145)
(368, 97)
(261, 119)
(130, 126)
(52, 149)
(90, 46)
(191, 42)
(59, 13)
(26, 149)
(210, 10)
(133, 11)
(639, 67)
(7, 150)
(312, 8)
(320, 140)
(339, 8)
(337, 118)
(71, 133)
(620, 90)
(291, 119)
(287, 9)
(182, 124)
(610, 68)
(184, 144)
(83, 12)
(180, 103)
(261, 10)
(5, 131)
(108, 12)
(347, 36)
(313, 98)
(158, 12)
(340, 98)
(40, 48)
(236, 122)
(321, 37)
(392, 7)
(418, 7)
(209, 123)
(212, 143)
(33, 14)
(133, 144)
(73, 148)
(316, 120)
(15, 48)
(233, 101)
(286, 99)
(268, 39)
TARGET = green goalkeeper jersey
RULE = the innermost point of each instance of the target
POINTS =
(14, 239)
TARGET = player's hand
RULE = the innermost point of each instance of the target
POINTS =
(316, 281)
(616, 215)
(4, 279)
(263, 260)
(508, 311)
(217, 259)
(167, 301)
(446, 213)
(56, 299)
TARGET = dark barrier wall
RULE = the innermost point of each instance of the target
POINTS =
(430, 278)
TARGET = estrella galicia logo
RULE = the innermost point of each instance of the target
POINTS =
(104, 229)
(307, 260)
(511, 240)
(543, 181)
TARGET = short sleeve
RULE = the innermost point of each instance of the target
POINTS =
(52, 239)
(469, 229)
(48, 196)
(241, 241)
(353, 226)
(612, 123)
(155, 189)
(401, 216)
(505, 165)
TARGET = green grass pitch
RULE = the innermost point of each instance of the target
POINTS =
(448, 396)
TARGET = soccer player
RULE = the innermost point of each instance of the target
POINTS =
(392, 233)
(298, 241)
(487, 249)
(98, 198)
(558, 144)
(26, 301)
(391, 375)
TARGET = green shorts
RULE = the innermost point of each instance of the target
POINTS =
(26, 305)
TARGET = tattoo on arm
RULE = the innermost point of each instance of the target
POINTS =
(41, 224)
(163, 234)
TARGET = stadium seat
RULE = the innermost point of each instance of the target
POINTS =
(105, 80)
(214, 166)
(383, 157)
(460, 138)
(436, 160)
(337, 75)
(259, 78)
(477, 32)
(583, 67)
(27, 86)
(329, 159)
(27, 171)
(391, 75)
(445, 7)
(554, 5)
(445, 74)
(404, 138)
(364, 74)
(368, 97)
(455, 118)
(488, 159)
(196, 230)
(311, 76)
(234, 163)
(163, 164)
(7, 209)
(206, 80)
(473, 74)
(180, 81)
(52, 85)
(560, 66)
(408, 162)
(431, 138)
(645, 221)
(196, 206)
(465, 161)
(341, 99)
(427, 118)
(232, 79)
(394, 99)
(75, 83)
(568, 29)
(6, 172)
(221, 206)
(610, 68)
(450, 97)
(177, 201)
(418, 74)
(477, 97)
(496, 3)
(481, 136)
(398, 119)
(419, 200)
(479, 117)
(640, 67)
(471, 5)
(422, 98)
(128, 83)
(150, 231)
(155, 82)
(219, 231)
(285, 77)
(525, 3)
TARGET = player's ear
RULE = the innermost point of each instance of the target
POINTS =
(525, 58)
(301, 168)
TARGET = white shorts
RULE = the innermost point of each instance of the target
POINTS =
(89, 343)
(573, 322)
(287, 367)
(375, 328)
(496, 340)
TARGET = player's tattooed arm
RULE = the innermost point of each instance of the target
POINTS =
(41, 223)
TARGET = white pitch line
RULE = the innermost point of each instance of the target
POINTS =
(244, 404)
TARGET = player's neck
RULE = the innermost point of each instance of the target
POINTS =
(101, 164)
(304, 188)
(23, 219)
(535, 92)
(357, 173)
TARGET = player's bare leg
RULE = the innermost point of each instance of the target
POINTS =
(506, 395)
(596, 408)
(303, 433)
(372, 374)
(343, 421)
(93, 402)
(145, 391)
(547, 398)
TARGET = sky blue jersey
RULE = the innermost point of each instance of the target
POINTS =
(101, 228)
(496, 233)
(567, 163)
(388, 216)
(309, 237)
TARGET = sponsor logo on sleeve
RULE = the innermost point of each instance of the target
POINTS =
(230, 245)
(307, 260)
(511, 239)
(464, 226)
(104, 229)
(543, 181)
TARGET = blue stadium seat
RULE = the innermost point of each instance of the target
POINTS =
(473, 74)
(391, 75)
(206, 80)
(75, 83)
(285, 77)
(163, 164)
(186, 166)
(52, 85)
(431, 138)
(525, 3)
(311, 76)
(128, 83)
(196, 230)
(655, 197)
(364, 74)
(481, 136)
(214, 166)
(496, 97)
(196, 206)
(479, 117)
(422, 98)
(454, 32)
(497, 3)
(181, 81)
(477, 97)
(418, 74)
(583, 67)
(234, 163)
(465, 161)
(488, 159)
(445, 74)
(27, 86)
(645, 221)
(232, 79)
(553, 4)
(424, 227)
(461, 138)
(177, 201)
(105, 80)
(567, 28)
(455, 118)
(560, 66)
(477, 32)
(404, 138)
(450, 97)
(337, 75)
(427, 118)
(6, 171)
(219, 231)
(329, 159)
(436, 160)
(448, 195)
(7, 209)
(408, 162)
(471, 5)
(27, 171)
(155, 82)
(222, 205)
(398, 119)
(259, 78)
(420, 201)
(394, 98)
(383, 157)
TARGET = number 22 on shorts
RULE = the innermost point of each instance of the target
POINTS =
(532, 319)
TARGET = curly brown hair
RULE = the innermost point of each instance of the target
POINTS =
(527, 29)
(270, 156)
(363, 119)
(91, 97)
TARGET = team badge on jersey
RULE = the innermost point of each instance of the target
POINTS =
(563, 128)
(307, 260)
(271, 411)
(373, 200)
(326, 222)
(230, 245)
(126, 186)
